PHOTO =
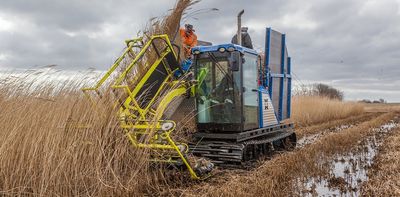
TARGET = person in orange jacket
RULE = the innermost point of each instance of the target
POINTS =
(189, 39)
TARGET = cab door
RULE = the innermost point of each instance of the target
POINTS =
(250, 91)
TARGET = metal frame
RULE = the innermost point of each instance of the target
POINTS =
(282, 75)
(282, 81)
(143, 126)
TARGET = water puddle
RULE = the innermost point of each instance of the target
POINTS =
(347, 171)
(309, 139)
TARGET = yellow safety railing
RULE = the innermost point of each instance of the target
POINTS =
(143, 124)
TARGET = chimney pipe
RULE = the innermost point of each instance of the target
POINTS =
(239, 25)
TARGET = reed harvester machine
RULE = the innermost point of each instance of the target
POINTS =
(241, 100)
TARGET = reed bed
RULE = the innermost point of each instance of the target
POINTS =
(53, 143)
(309, 110)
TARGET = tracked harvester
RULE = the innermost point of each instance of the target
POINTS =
(242, 100)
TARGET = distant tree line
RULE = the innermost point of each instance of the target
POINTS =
(328, 91)
(320, 89)
(381, 100)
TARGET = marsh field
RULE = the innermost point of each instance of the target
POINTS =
(53, 143)
(343, 148)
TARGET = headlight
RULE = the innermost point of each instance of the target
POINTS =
(196, 52)
(231, 49)
(222, 49)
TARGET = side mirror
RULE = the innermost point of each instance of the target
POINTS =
(234, 61)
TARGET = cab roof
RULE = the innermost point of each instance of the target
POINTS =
(214, 48)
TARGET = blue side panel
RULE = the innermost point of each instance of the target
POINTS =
(280, 115)
(267, 53)
(277, 74)
(260, 109)
(289, 93)
(270, 87)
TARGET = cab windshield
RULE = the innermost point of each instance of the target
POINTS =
(218, 94)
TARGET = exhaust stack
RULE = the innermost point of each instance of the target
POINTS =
(239, 25)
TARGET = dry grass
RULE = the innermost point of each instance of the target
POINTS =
(384, 178)
(309, 110)
(52, 143)
(381, 107)
(333, 124)
(45, 151)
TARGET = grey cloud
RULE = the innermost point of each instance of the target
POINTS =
(69, 15)
(353, 44)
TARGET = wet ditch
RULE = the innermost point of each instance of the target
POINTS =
(346, 171)
(309, 139)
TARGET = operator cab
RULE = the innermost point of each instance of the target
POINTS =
(227, 90)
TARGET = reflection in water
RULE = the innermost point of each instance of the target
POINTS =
(347, 171)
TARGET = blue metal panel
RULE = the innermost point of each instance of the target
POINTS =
(281, 89)
(215, 48)
(267, 53)
(268, 82)
(270, 87)
(289, 89)
(260, 109)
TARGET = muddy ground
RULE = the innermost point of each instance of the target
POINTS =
(349, 157)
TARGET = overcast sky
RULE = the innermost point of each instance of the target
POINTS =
(353, 45)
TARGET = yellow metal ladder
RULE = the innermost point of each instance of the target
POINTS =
(142, 107)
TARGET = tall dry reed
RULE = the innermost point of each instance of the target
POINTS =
(52, 142)
(308, 110)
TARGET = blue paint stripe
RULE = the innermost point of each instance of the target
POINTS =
(281, 88)
(260, 107)
(289, 93)
(270, 87)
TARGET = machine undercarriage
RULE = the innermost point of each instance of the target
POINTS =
(222, 150)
